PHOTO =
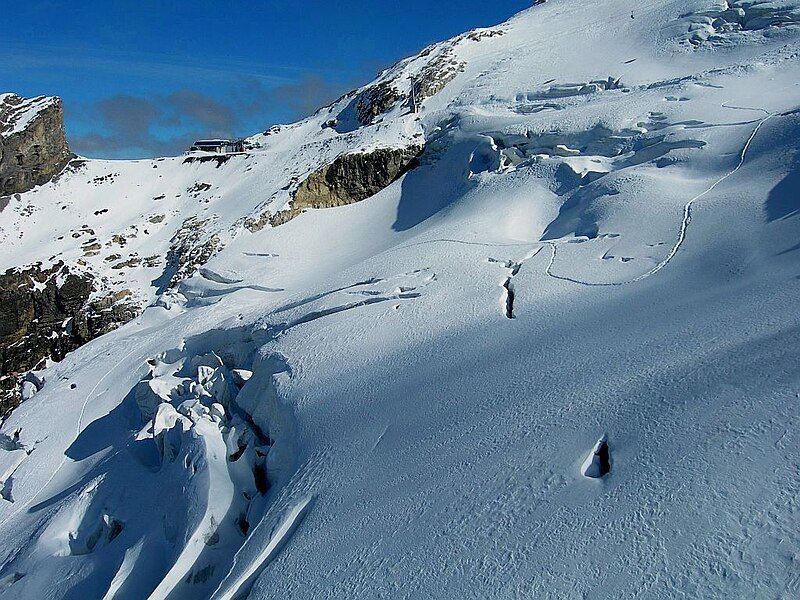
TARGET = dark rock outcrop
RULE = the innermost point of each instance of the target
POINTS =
(45, 313)
(435, 75)
(33, 146)
(375, 101)
(190, 247)
(354, 177)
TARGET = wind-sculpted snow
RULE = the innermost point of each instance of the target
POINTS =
(728, 22)
(557, 358)
(191, 467)
(164, 511)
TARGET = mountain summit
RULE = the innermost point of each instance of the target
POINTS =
(33, 147)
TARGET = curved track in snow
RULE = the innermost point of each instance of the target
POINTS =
(90, 396)
(687, 218)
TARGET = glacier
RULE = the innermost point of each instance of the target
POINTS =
(555, 356)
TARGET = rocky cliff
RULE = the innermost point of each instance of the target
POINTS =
(33, 146)
(45, 313)
(354, 177)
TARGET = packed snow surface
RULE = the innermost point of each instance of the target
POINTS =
(558, 358)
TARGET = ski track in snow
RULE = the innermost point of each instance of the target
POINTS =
(90, 396)
(462, 242)
(509, 292)
(687, 217)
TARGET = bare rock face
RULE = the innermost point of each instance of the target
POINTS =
(45, 313)
(33, 146)
(437, 73)
(375, 101)
(190, 247)
(354, 177)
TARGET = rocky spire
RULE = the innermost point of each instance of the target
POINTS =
(33, 146)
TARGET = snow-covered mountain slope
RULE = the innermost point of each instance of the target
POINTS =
(557, 357)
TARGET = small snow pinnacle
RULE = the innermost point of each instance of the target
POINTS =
(598, 463)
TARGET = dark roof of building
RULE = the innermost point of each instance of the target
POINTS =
(213, 142)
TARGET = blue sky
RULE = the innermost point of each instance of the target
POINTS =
(140, 78)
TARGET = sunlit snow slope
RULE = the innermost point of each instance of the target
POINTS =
(559, 357)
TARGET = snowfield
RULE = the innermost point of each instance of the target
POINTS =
(559, 357)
